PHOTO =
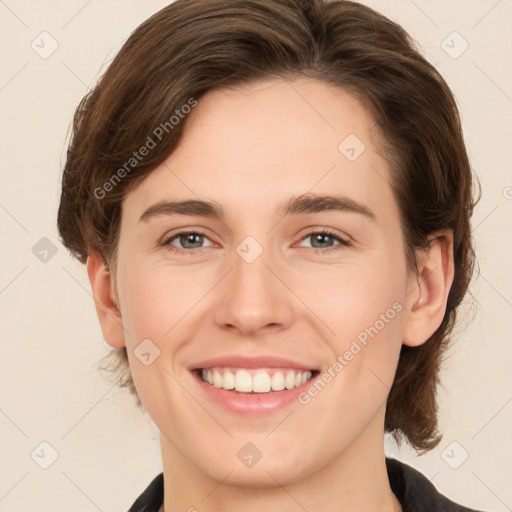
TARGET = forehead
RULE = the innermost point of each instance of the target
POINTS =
(277, 117)
(250, 147)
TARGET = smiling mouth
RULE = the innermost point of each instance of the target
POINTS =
(255, 380)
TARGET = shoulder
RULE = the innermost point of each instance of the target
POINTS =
(416, 492)
(152, 498)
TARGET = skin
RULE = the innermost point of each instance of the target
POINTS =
(250, 149)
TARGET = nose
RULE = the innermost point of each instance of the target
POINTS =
(254, 298)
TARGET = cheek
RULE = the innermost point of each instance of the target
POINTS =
(156, 300)
(162, 306)
(363, 310)
(355, 298)
(156, 305)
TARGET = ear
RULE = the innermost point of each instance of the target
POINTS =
(428, 290)
(105, 300)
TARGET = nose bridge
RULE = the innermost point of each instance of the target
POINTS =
(252, 297)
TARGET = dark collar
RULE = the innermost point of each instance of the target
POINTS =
(413, 490)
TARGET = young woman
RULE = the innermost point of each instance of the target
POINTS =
(273, 200)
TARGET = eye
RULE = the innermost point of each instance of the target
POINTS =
(188, 240)
(323, 241)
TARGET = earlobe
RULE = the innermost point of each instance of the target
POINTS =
(428, 290)
(105, 301)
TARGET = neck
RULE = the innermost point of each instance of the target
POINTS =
(355, 480)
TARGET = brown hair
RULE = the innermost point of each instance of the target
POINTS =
(191, 47)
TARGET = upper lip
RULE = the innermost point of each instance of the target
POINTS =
(238, 361)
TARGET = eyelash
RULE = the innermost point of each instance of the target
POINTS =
(343, 242)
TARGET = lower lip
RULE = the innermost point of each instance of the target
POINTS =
(252, 404)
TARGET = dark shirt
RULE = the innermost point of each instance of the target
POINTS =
(413, 490)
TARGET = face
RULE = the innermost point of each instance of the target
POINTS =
(284, 289)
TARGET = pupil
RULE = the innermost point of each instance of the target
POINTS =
(322, 238)
(189, 239)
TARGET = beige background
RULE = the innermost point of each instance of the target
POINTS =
(50, 391)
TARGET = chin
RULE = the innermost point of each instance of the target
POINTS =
(272, 474)
(249, 462)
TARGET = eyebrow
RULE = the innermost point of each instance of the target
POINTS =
(305, 203)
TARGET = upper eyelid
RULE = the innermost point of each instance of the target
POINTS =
(183, 231)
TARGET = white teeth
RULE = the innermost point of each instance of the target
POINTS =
(229, 381)
(261, 382)
(255, 381)
(289, 381)
(217, 379)
(278, 381)
(243, 381)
